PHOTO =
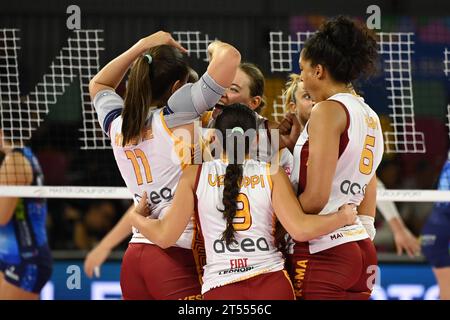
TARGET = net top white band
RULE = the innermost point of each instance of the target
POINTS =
(76, 192)
(67, 192)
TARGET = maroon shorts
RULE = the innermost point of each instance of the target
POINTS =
(149, 272)
(344, 272)
(266, 286)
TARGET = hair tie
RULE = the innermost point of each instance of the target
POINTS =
(237, 129)
(149, 58)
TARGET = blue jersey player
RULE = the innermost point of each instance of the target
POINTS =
(436, 237)
(25, 259)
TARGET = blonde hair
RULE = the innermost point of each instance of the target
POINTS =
(290, 89)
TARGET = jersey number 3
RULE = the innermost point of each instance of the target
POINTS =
(133, 156)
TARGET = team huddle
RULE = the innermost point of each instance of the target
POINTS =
(271, 210)
(228, 204)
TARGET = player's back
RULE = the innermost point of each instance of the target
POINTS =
(360, 152)
(360, 156)
(253, 249)
(153, 164)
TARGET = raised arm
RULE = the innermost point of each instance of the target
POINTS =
(301, 226)
(192, 100)
(107, 103)
(112, 74)
(327, 122)
(224, 61)
(14, 170)
(165, 231)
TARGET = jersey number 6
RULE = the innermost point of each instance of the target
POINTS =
(366, 162)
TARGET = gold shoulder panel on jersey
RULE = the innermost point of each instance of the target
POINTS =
(184, 150)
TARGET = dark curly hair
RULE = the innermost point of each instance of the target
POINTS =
(346, 48)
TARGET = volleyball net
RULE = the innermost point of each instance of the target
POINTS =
(57, 120)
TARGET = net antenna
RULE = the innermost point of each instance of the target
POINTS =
(447, 73)
(21, 115)
(396, 50)
(447, 62)
(194, 42)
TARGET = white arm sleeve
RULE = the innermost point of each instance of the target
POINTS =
(108, 105)
(191, 100)
(387, 208)
(185, 105)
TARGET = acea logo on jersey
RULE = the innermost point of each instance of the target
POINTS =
(353, 188)
(155, 197)
(245, 245)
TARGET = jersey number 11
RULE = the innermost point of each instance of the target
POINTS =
(133, 155)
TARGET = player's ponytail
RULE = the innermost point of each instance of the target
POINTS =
(232, 182)
(237, 125)
(138, 99)
(150, 83)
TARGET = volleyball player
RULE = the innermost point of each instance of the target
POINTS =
(335, 160)
(146, 149)
(98, 255)
(25, 257)
(435, 238)
(248, 88)
(237, 200)
(299, 102)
